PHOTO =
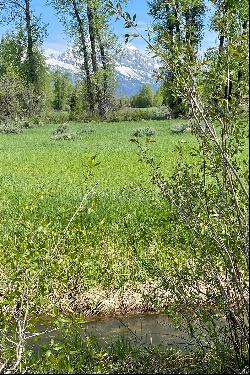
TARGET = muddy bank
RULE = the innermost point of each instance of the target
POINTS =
(131, 299)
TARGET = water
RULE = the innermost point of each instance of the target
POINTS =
(143, 330)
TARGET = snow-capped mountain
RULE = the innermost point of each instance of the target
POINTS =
(133, 68)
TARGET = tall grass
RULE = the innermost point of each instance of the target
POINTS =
(122, 225)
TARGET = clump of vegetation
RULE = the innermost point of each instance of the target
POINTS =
(55, 117)
(62, 133)
(26, 124)
(141, 132)
(179, 128)
(61, 129)
(64, 137)
(124, 356)
(10, 128)
(138, 114)
(150, 132)
(144, 98)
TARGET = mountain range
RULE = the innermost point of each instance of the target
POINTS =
(133, 68)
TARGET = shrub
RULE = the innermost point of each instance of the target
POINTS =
(140, 132)
(62, 133)
(62, 129)
(138, 114)
(150, 132)
(56, 117)
(36, 120)
(11, 89)
(9, 129)
(26, 124)
(144, 98)
(180, 128)
(64, 137)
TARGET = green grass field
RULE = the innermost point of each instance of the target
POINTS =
(124, 224)
(57, 260)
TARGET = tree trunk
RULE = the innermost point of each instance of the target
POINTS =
(93, 38)
(177, 22)
(90, 91)
(221, 45)
(30, 53)
(105, 67)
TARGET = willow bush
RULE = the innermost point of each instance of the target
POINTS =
(209, 195)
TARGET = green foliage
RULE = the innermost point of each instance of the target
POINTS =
(140, 132)
(12, 50)
(176, 24)
(123, 102)
(78, 103)
(86, 131)
(179, 128)
(11, 90)
(62, 91)
(62, 133)
(95, 44)
(144, 98)
(158, 98)
(138, 114)
(10, 128)
(173, 100)
(62, 128)
(19, 97)
(54, 117)
(209, 195)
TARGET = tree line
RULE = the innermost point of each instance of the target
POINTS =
(27, 87)
(23, 70)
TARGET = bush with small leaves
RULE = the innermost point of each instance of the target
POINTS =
(180, 128)
(26, 125)
(138, 114)
(10, 127)
(9, 130)
(62, 133)
(138, 132)
(150, 132)
(64, 137)
(61, 129)
(55, 117)
(141, 132)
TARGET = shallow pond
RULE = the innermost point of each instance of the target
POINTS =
(145, 330)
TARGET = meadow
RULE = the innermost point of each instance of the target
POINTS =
(122, 228)
(85, 233)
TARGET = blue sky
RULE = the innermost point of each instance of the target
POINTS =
(57, 39)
